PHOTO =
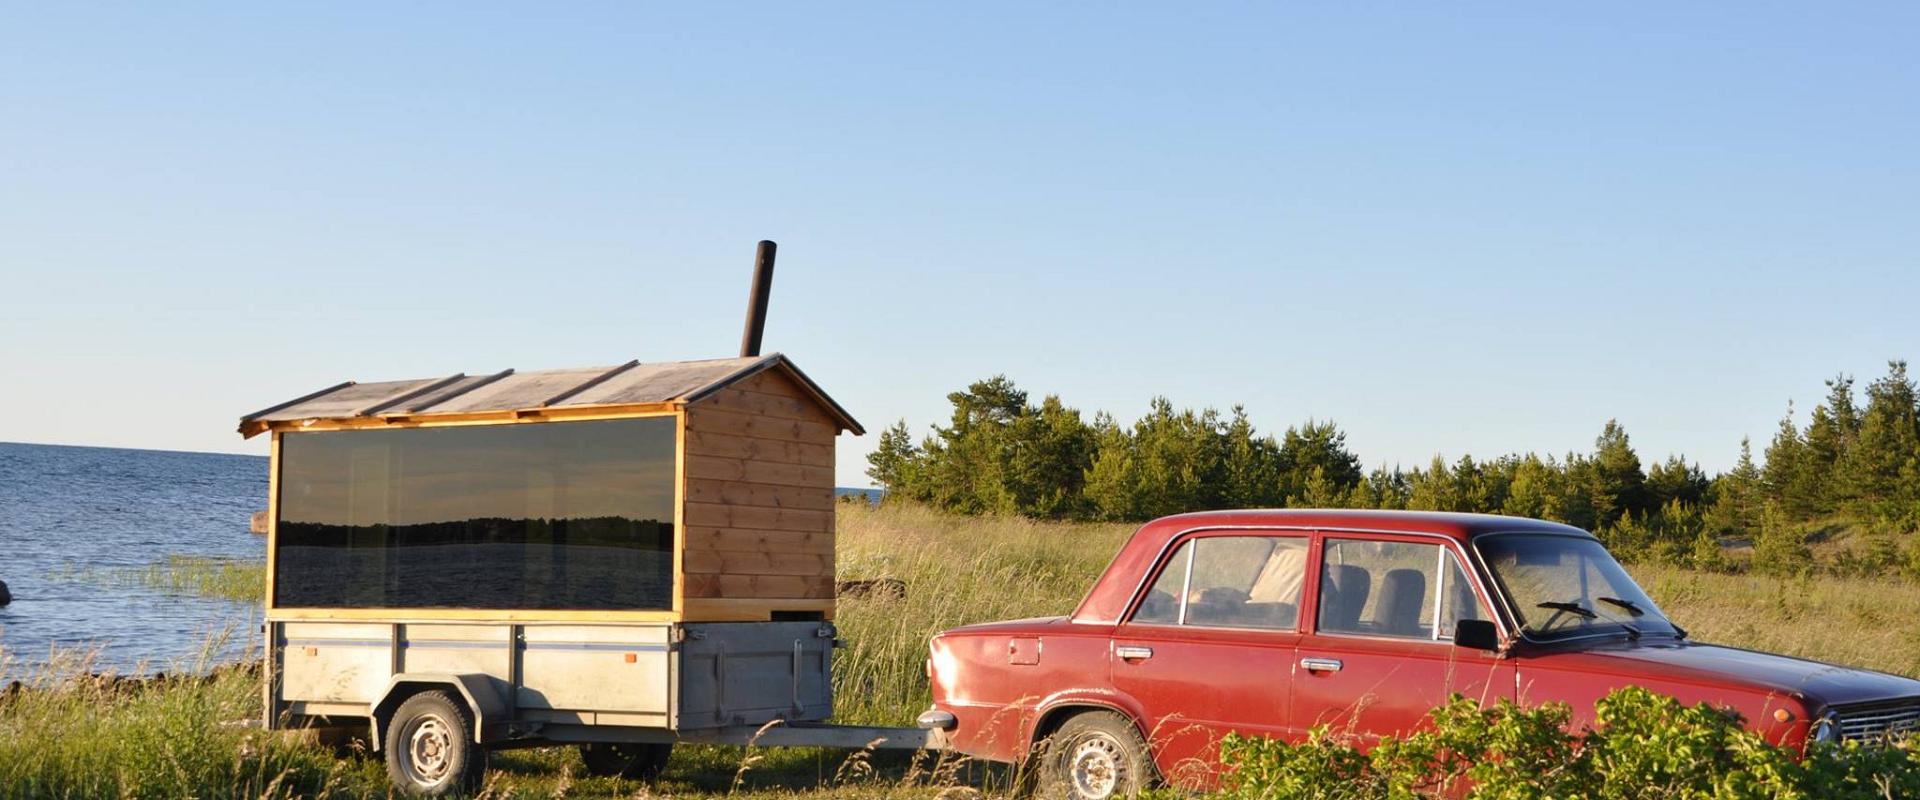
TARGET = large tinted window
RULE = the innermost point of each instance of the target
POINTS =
(554, 515)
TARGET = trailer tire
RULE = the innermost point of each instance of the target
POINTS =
(430, 749)
(1094, 755)
(634, 762)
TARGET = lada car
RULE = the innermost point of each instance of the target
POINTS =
(1274, 622)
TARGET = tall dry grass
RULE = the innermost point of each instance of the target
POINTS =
(1856, 622)
(957, 570)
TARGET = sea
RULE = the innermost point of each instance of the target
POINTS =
(76, 522)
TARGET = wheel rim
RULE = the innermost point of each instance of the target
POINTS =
(430, 748)
(1096, 766)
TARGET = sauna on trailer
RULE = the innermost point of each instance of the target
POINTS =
(619, 557)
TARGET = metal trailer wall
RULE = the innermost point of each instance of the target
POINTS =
(669, 676)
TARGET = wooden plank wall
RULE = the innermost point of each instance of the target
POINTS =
(759, 515)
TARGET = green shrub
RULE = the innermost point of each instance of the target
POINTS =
(1641, 745)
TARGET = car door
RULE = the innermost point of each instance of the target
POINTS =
(1379, 654)
(1209, 646)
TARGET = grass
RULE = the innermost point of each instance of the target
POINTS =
(242, 580)
(77, 739)
(1858, 622)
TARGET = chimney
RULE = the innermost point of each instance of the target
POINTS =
(757, 300)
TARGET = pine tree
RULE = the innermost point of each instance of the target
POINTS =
(1050, 449)
(1433, 489)
(1251, 473)
(1737, 496)
(1112, 485)
(1533, 491)
(1781, 547)
(891, 462)
(1885, 460)
(1787, 471)
(1320, 492)
(1317, 444)
(1617, 486)
(1383, 488)
(1675, 479)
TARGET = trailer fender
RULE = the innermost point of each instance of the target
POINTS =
(477, 690)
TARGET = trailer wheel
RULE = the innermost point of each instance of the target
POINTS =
(637, 762)
(1094, 755)
(430, 747)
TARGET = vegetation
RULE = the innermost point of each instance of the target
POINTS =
(65, 733)
(74, 737)
(224, 578)
(1641, 745)
(1841, 495)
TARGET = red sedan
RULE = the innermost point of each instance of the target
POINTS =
(1274, 622)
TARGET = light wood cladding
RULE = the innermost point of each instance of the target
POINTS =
(759, 496)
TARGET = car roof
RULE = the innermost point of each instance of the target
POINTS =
(1115, 588)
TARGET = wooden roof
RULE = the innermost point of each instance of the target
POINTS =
(508, 391)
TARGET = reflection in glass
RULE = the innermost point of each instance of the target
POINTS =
(552, 515)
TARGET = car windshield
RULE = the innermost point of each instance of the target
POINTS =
(1566, 586)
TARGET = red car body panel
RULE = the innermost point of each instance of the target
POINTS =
(1184, 686)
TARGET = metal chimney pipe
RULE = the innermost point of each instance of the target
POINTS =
(757, 300)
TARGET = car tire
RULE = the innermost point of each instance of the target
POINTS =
(430, 750)
(634, 762)
(1094, 755)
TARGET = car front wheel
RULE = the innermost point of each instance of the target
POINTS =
(1095, 755)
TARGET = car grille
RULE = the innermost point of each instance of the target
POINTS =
(1879, 722)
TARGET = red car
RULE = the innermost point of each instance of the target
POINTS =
(1273, 622)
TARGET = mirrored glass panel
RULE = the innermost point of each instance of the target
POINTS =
(551, 515)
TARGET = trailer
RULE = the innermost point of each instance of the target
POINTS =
(619, 557)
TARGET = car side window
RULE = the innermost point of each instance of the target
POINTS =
(1392, 589)
(1230, 582)
(1457, 599)
(1162, 603)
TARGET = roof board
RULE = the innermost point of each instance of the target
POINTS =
(632, 383)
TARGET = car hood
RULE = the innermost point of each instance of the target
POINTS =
(1817, 683)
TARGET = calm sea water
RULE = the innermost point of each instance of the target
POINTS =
(70, 512)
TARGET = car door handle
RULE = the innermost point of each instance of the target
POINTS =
(1321, 664)
(1131, 653)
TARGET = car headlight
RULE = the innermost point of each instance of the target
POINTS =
(1828, 728)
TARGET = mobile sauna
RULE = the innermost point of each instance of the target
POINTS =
(616, 557)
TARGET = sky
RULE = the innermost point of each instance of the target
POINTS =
(1451, 228)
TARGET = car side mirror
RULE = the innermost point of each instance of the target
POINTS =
(1477, 634)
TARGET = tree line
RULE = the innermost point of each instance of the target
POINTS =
(1856, 460)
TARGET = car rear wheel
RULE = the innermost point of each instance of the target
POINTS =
(430, 747)
(1095, 755)
(638, 762)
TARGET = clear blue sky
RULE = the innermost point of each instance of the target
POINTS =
(1449, 227)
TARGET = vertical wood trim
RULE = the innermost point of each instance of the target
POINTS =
(833, 524)
(270, 682)
(680, 512)
(273, 517)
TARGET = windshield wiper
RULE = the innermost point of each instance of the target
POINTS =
(1632, 630)
(1572, 608)
(1626, 604)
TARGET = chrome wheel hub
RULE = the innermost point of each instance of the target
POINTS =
(1095, 768)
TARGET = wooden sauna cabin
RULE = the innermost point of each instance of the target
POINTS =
(687, 491)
